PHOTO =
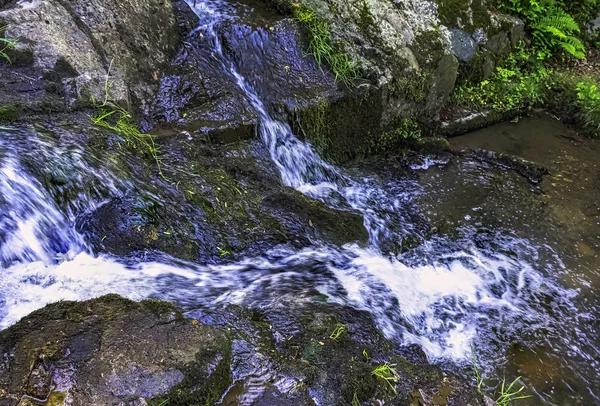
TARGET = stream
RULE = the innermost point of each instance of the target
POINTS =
(498, 265)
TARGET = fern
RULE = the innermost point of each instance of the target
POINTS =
(556, 29)
(550, 25)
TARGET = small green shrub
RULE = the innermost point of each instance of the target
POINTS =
(6, 44)
(322, 48)
(550, 25)
(406, 129)
(588, 102)
(519, 84)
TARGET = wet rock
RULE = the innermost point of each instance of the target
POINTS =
(325, 354)
(111, 351)
(531, 171)
(409, 68)
(463, 45)
(444, 79)
(73, 43)
(114, 351)
(217, 202)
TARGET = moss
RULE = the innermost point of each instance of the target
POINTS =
(428, 49)
(464, 14)
(9, 113)
(160, 307)
(315, 126)
(196, 389)
(56, 398)
(413, 86)
(343, 129)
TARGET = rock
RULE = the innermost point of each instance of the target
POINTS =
(73, 43)
(498, 44)
(408, 65)
(444, 79)
(111, 351)
(463, 45)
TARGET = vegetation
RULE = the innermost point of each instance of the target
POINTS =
(112, 116)
(388, 373)
(507, 395)
(550, 25)
(339, 330)
(322, 48)
(519, 84)
(6, 44)
(588, 103)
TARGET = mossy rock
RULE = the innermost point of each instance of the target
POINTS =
(9, 113)
(111, 350)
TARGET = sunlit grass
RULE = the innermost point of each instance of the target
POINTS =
(388, 373)
(6, 44)
(322, 48)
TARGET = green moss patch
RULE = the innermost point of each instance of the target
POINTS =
(9, 113)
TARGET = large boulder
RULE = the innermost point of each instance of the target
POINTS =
(409, 53)
(72, 50)
(111, 351)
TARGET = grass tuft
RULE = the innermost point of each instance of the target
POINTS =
(112, 116)
(322, 48)
(388, 373)
(339, 330)
(6, 44)
(508, 394)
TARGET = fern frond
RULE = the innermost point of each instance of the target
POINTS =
(558, 19)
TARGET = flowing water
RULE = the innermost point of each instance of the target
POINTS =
(482, 286)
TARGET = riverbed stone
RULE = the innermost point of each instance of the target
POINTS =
(111, 351)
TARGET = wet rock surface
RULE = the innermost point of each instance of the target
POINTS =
(214, 201)
(110, 351)
(114, 351)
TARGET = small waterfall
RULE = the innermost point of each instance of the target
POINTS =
(444, 296)
(299, 165)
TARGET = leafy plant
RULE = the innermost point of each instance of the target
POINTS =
(355, 401)
(519, 84)
(6, 44)
(388, 373)
(322, 48)
(588, 101)
(550, 25)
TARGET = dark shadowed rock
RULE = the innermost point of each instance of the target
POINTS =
(110, 351)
